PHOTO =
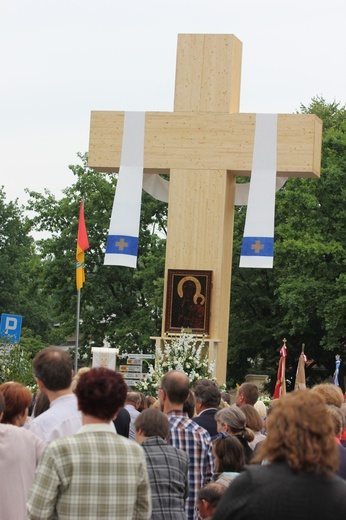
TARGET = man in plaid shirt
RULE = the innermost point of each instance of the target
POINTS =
(94, 474)
(187, 435)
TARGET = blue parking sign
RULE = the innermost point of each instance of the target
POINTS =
(10, 327)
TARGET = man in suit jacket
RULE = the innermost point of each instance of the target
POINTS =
(208, 397)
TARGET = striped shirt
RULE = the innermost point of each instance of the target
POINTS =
(95, 474)
(196, 442)
(168, 476)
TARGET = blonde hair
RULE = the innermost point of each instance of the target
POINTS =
(332, 394)
(81, 371)
(301, 434)
(261, 409)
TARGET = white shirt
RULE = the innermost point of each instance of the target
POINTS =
(134, 413)
(61, 419)
(259, 437)
(97, 427)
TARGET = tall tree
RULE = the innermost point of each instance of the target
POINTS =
(118, 303)
(304, 297)
(21, 292)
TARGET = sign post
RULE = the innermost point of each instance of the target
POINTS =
(10, 327)
(133, 370)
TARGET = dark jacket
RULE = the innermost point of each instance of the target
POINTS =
(206, 419)
(274, 492)
(122, 422)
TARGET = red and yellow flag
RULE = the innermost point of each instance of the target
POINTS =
(280, 387)
(82, 245)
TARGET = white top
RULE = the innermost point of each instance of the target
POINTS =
(20, 451)
(259, 437)
(97, 427)
(134, 413)
(61, 419)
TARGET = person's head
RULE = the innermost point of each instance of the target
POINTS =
(189, 289)
(2, 405)
(175, 388)
(337, 417)
(343, 411)
(208, 498)
(207, 394)
(332, 394)
(229, 454)
(300, 433)
(225, 396)
(261, 409)
(133, 399)
(53, 369)
(100, 393)
(233, 420)
(17, 401)
(41, 404)
(142, 402)
(253, 419)
(189, 405)
(76, 377)
(151, 423)
(151, 400)
(247, 393)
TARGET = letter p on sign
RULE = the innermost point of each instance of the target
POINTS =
(10, 327)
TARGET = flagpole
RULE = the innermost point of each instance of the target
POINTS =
(77, 334)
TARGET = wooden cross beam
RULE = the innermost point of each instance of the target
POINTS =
(204, 144)
(207, 141)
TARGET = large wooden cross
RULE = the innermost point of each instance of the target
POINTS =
(204, 144)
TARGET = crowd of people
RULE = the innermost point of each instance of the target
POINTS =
(94, 449)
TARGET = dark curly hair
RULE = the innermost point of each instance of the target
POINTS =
(101, 392)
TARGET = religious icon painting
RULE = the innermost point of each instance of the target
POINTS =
(188, 301)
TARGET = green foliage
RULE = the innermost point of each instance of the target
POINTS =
(21, 289)
(184, 352)
(118, 303)
(16, 359)
(304, 297)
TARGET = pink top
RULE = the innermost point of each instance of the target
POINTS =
(20, 450)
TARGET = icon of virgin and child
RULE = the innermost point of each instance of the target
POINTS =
(188, 306)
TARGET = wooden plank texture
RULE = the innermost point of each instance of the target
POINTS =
(204, 144)
(210, 141)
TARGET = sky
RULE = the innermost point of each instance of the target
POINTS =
(61, 59)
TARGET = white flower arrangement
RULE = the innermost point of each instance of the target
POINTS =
(185, 353)
(265, 399)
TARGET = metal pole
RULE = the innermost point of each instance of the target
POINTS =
(77, 334)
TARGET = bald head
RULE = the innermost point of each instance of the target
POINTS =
(176, 385)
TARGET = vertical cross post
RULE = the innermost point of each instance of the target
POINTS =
(201, 203)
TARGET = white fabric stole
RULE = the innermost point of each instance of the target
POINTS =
(158, 188)
(122, 241)
(258, 241)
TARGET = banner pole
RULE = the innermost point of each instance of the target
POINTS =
(77, 334)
